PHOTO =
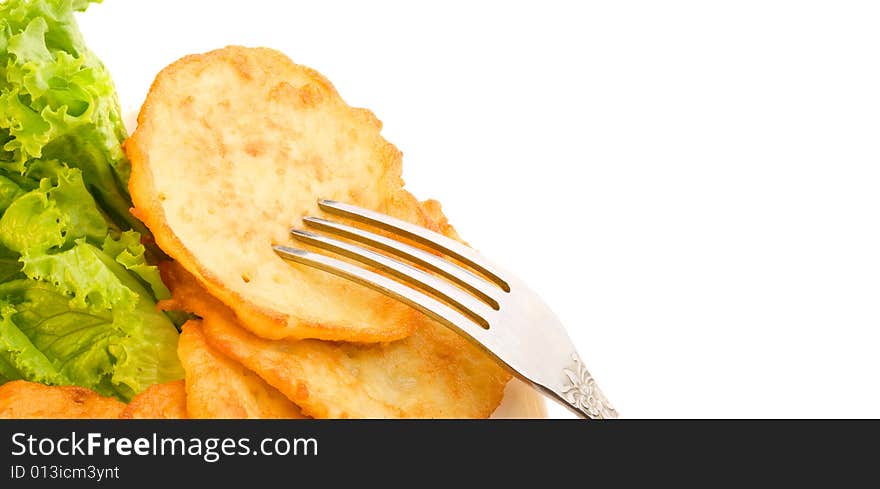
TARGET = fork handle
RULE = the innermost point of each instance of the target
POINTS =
(580, 393)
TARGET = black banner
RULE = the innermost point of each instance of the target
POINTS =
(130, 453)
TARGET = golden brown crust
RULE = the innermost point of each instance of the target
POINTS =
(432, 374)
(159, 401)
(288, 124)
(218, 387)
(21, 399)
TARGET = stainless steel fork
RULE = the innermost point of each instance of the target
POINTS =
(491, 308)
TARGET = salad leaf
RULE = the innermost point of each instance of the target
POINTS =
(22, 359)
(130, 253)
(82, 273)
(10, 266)
(82, 311)
(59, 211)
(78, 291)
(9, 191)
(57, 101)
(45, 337)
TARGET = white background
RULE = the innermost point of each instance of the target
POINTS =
(692, 186)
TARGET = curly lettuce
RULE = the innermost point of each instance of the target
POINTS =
(57, 100)
(78, 291)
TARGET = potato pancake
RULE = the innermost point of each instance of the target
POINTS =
(432, 374)
(22, 399)
(233, 147)
(159, 401)
(217, 387)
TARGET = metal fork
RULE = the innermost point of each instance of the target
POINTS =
(491, 308)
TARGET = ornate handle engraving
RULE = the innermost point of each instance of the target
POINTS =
(580, 390)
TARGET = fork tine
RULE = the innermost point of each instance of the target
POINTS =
(419, 234)
(467, 304)
(461, 276)
(423, 302)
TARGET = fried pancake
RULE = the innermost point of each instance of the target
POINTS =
(235, 146)
(434, 373)
(22, 399)
(217, 387)
(159, 401)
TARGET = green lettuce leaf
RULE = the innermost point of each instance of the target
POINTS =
(9, 191)
(57, 101)
(59, 211)
(128, 251)
(10, 266)
(78, 305)
(78, 291)
(45, 337)
(82, 273)
(21, 358)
